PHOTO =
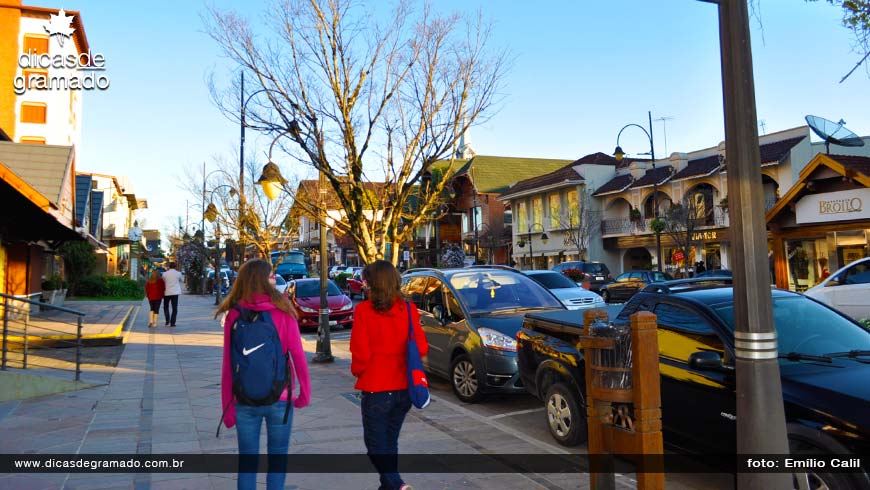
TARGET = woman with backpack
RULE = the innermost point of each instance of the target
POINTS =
(155, 288)
(378, 345)
(260, 332)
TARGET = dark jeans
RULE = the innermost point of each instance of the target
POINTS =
(249, 421)
(155, 305)
(383, 413)
(174, 300)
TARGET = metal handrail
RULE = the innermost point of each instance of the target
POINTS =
(6, 299)
(42, 305)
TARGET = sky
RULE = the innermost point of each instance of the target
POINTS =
(580, 71)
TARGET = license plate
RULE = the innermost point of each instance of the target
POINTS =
(599, 278)
(333, 323)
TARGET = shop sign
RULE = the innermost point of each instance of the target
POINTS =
(678, 256)
(705, 235)
(834, 206)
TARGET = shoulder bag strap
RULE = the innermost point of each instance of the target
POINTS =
(410, 322)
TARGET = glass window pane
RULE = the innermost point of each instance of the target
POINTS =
(555, 209)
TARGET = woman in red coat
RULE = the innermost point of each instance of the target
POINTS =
(378, 345)
(155, 288)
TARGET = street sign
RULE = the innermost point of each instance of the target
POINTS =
(678, 256)
(407, 256)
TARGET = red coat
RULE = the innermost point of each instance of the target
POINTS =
(155, 290)
(378, 346)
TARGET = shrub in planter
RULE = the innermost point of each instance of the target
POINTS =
(122, 287)
(341, 280)
(53, 283)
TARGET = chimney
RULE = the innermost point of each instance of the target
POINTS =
(678, 161)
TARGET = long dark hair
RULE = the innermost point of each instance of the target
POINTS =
(384, 283)
(254, 279)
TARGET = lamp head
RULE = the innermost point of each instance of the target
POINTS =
(271, 180)
(211, 212)
(544, 238)
(618, 153)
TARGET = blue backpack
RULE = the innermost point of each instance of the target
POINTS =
(260, 366)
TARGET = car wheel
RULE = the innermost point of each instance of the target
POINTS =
(464, 379)
(564, 419)
(818, 480)
(605, 295)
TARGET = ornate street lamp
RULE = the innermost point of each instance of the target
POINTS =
(619, 155)
(544, 239)
(272, 182)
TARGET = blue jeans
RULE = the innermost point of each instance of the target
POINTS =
(249, 420)
(383, 413)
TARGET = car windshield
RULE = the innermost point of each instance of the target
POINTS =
(553, 280)
(294, 259)
(311, 289)
(804, 326)
(593, 268)
(660, 276)
(493, 290)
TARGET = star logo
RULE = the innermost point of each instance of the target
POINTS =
(60, 26)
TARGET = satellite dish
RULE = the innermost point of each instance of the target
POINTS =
(833, 132)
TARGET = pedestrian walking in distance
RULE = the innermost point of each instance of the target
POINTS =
(263, 356)
(155, 288)
(378, 345)
(172, 278)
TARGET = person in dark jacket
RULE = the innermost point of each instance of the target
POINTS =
(378, 345)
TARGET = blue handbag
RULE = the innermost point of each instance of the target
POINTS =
(418, 384)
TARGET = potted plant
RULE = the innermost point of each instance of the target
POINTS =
(54, 290)
(657, 225)
(723, 203)
(634, 215)
(521, 243)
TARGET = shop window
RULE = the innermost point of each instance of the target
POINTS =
(33, 112)
(35, 44)
(34, 140)
(537, 211)
(555, 211)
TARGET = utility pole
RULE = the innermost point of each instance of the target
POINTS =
(202, 229)
(760, 414)
(242, 170)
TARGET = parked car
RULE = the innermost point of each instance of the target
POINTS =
(471, 318)
(280, 284)
(824, 364)
(598, 272)
(571, 295)
(334, 270)
(306, 297)
(355, 285)
(714, 273)
(628, 283)
(847, 290)
(225, 282)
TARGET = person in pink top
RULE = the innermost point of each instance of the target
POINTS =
(253, 291)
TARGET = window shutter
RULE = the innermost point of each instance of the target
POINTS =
(36, 44)
(33, 112)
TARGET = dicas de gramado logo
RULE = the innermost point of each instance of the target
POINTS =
(74, 71)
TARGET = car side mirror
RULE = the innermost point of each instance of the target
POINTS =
(706, 361)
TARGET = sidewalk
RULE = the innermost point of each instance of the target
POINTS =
(164, 398)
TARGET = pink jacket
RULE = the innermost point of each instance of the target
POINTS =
(288, 332)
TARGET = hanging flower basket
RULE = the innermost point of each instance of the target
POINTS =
(724, 204)
(521, 243)
(634, 215)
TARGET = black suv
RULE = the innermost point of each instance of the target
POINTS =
(598, 272)
(825, 365)
(471, 318)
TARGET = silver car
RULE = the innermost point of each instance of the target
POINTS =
(569, 293)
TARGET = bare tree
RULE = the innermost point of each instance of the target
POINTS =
(355, 98)
(262, 224)
(682, 220)
(579, 222)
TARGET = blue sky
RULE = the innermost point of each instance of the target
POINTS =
(581, 70)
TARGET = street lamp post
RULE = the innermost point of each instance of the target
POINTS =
(761, 427)
(619, 154)
(544, 239)
(211, 214)
(272, 181)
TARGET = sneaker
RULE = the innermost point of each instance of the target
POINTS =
(173, 326)
(405, 486)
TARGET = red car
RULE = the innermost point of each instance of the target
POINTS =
(355, 285)
(306, 298)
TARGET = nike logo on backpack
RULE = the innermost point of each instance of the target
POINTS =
(248, 351)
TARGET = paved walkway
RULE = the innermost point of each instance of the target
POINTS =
(102, 320)
(164, 398)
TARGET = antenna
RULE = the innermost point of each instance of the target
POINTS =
(833, 132)
(763, 124)
(664, 120)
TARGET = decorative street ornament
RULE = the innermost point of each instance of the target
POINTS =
(271, 180)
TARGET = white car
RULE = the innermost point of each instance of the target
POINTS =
(847, 290)
(280, 284)
(571, 295)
